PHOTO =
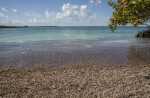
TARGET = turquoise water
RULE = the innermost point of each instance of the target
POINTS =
(20, 35)
(52, 47)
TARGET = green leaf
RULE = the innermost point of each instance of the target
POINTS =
(133, 2)
(136, 12)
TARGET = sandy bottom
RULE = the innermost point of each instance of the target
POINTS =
(78, 81)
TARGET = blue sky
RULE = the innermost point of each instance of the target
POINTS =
(55, 12)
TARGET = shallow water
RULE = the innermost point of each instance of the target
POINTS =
(21, 35)
(52, 47)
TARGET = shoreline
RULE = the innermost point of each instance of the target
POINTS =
(64, 63)
(81, 80)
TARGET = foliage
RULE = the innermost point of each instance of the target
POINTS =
(136, 12)
(8, 26)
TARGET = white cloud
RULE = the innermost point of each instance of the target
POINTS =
(3, 9)
(47, 14)
(35, 20)
(72, 13)
(106, 20)
(3, 16)
(3, 19)
(59, 15)
(16, 22)
(84, 12)
(51, 15)
(69, 15)
(14, 10)
(95, 2)
(91, 1)
(98, 2)
(33, 15)
(94, 16)
(69, 9)
(27, 14)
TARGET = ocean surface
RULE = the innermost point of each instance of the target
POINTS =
(52, 47)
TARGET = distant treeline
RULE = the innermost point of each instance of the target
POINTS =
(24, 26)
(8, 26)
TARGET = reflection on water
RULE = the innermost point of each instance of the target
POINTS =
(65, 46)
(52, 54)
(140, 51)
(21, 35)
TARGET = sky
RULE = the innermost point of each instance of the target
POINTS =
(55, 12)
